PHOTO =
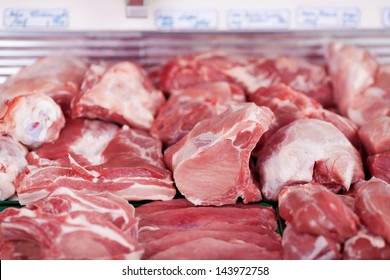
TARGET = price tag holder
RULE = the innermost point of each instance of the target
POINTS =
(36, 18)
(258, 19)
(186, 19)
(328, 17)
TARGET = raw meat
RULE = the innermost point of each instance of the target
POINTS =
(185, 108)
(57, 77)
(31, 234)
(12, 162)
(120, 93)
(98, 157)
(149, 234)
(182, 237)
(289, 105)
(352, 71)
(192, 217)
(189, 70)
(32, 119)
(105, 207)
(211, 163)
(379, 166)
(375, 135)
(251, 73)
(297, 73)
(308, 150)
(155, 206)
(214, 249)
(360, 84)
(161, 218)
(84, 140)
(366, 246)
(313, 209)
(304, 246)
(164, 227)
(372, 206)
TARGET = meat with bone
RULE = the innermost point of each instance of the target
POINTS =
(57, 77)
(372, 206)
(289, 105)
(104, 206)
(32, 234)
(32, 119)
(12, 162)
(185, 108)
(308, 150)
(362, 91)
(120, 93)
(366, 246)
(211, 163)
(166, 226)
(98, 157)
(304, 246)
(313, 209)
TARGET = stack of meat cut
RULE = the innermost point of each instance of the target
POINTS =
(222, 132)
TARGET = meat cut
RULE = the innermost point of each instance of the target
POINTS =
(104, 206)
(372, 206)
(94, 156)
(57, 77)
(193, 69)
(289, 105)
(232, 231)
(120, 93)
(360, 83)
(211, 163)
(313, 209)
(251, 73)
(12, 162)
(379, 166)
(50, 230)
(185, 108)
(32, 119)
(366, 246)
(375, 135)
(308, 150)
(27, 109)
(298, 73)
(304, 246)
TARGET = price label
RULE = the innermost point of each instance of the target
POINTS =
(35, 18)
(328, 17)
(386, 17)
(259, 19)
(186, 19)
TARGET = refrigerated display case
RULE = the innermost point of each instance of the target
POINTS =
(152, 32)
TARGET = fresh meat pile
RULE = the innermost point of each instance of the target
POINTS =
(214, 135)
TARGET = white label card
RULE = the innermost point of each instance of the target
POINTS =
(328, 17)
(33, 18)
(259, 19)
(386, 17)
(186, 19)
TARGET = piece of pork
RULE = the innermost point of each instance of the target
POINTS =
(211, 163)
